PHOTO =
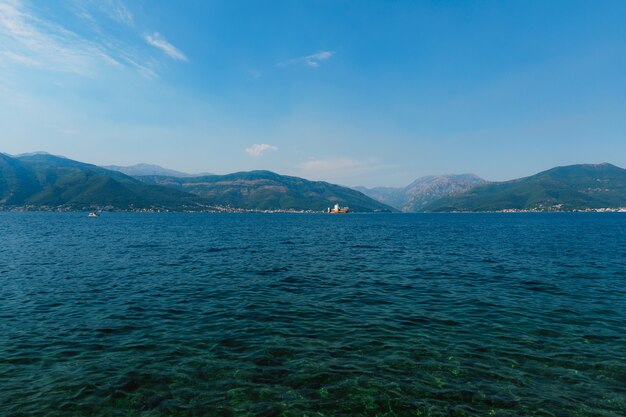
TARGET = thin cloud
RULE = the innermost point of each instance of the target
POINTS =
(159, 42)
(69, 132)
(31, 39)
(259, 148)
(333, 165)
(35, 42)
(312, 60)
(117, 11)
(92, 11)
(21, 59)
(340, 169)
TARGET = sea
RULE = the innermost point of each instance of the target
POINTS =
(250, 314)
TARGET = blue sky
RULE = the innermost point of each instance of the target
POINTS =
(354, 92)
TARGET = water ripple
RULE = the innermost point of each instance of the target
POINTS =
(272, 315)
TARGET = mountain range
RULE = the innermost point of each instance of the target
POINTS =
(266, 190)
(568, 188)
(48, 182)
(44, 181)
(423, 191)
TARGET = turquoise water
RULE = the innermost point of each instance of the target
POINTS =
(136, 314)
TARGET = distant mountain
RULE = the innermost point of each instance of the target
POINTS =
(43, 181)
(423, 191)
(426, 190)
(148, 169)
(391, 196)
(33, 154)
(48, 181)
(265, 190)
(574, 187)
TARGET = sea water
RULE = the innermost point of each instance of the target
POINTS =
(147, 314)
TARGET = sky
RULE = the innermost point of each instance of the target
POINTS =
(373, 93)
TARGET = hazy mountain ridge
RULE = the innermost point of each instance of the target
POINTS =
(150, 169)
(567, 188)
(266, 190)
(44, 181)
(423, 191)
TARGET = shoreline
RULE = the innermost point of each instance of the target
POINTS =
(27, 209)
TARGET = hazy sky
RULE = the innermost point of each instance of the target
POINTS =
(354, 92)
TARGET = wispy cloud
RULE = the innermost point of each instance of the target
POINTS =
(117, 11)
(333, 165)
(30, 38)
(69, 132)
(340, 169)
(159, 42)
(312, 60)
(15, 57)
(32, 41)
(259, 148)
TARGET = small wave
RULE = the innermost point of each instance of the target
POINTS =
(538, 286)
(116, 330)
(272, 271)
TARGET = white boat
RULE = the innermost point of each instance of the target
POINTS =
(337, 209)
(93, 214)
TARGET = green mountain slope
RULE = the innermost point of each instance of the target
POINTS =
(43, 180)
(46, 181)
(265, 190)
(17, 181)
(574, 187)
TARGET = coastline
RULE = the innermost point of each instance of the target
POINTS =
(221, 209)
